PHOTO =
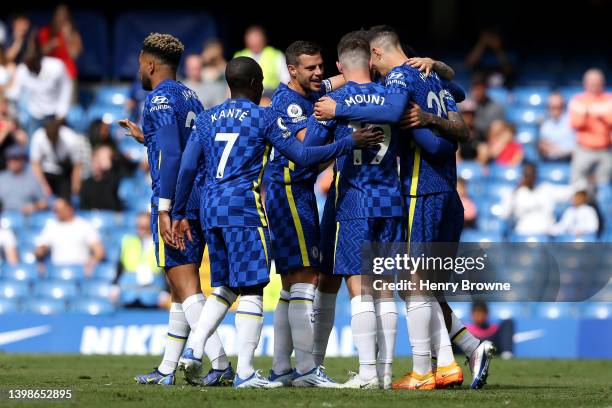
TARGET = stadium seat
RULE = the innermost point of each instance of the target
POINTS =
(92, 306)
(461, 309)
(77, 119)
(528, 238)
(22, 272)
(499, 95)
(596, 310)
(12, 220)
(96, 288)
(101, 220)
(572, 238)
(8, 306)
(525, 116)
(149, 296)
(491, 224)
(46, 306)
(499, 191)
(480, 236)
(507, 310)
(132, 149)
(555, 310)
(470, 170)
(66, 272)
(39, 219)
(105, 271)
(108, 114)
(55, 289)
(505, 173)
(13, 289)
(527, 134)
(531, 153)
(109, 95)
(488, 207)
(531, 96)
(558, 173)
(569, 92)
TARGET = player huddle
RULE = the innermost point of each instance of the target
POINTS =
(208, 169)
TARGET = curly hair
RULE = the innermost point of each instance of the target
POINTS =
(166, 47)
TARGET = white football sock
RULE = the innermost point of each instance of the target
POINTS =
(363, 325)
(192, 307)
(178, 330)
(462, 338)
(283, 345)
(386, 329)
(301, 321)
(324, 308)
(418, 315)
(211, 316)
(440, 342)
(249, 321)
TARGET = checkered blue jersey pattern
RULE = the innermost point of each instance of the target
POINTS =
(295, 109)
(420, 172)
(367, 181)
(170, 103)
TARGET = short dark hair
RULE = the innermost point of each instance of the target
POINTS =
(355, 41)
(480, 305)
(166, 47)
(297, 48)
(384, 32)
(241, 72)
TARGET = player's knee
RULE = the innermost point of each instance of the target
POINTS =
(303, 275)
(255, 290)
(329, 284)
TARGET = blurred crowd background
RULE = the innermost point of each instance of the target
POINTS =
(74, 190)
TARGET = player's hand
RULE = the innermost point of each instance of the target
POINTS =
(325, 108)
(414, 117)
(180, 228)
(132, 130)
(422, 64)
(165, 229)
(369, 136)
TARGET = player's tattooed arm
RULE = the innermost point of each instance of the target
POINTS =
(427, 65)
(453, 128)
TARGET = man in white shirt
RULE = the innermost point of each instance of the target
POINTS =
(578, 220)
(55, 156)
(70, 240)
(43, 83)
(557, 138)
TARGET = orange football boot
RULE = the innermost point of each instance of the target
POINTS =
(449, 376)
(414, 381)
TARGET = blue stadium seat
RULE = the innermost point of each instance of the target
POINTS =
(22, 272)
(525, 116)
(470, 170)
(505, 173)
(8, 306)
(499, 95)
(480, 236)
(66, 272)
(555, 310)
(149, 296)
(110, 95)
(108, 114)
(528, 238)
(527, 134)
(46, 306)
(491, 224)
(569, 92)
(96, 288)
(101, 219)
(56, 289)
(12, 220)
(13, 289)
(499, 191)
(558, 173)
(531, 96)
(488, 207)
(77, 119)
(531, 153)
(461, 309)
(572, 238)
(507, 310)
(105, 271)
(92, 306)
(596, 310)
(132, 149)
(39, 219)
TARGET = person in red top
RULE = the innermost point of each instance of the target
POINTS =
(500, 147)
(591, 116)
(61, 39)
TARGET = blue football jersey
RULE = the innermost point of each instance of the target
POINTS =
(367, 181)
(420, 172)
(294, 108)
(170, 103)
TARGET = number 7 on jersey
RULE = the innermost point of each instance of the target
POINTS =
(230, 139)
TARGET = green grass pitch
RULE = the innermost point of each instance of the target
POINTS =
(106, 381)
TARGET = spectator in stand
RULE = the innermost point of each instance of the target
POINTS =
(8, 244)
(489, 58)
(16, 49)
(100, 191)
(135, 101)
(46, 85)
(470, 212)
(501, 148)
(468, 150)
(499, 334)
(532, 207)
(10, 133)
(193, 75)
(591, 116)
(271, 60)
(20, 191)
(557, 138)
(138, 258)
(213, 74)
(55, 153)
(70, 240)
(5, 72)
(99, 134)
(62, 40)
(578, 220)
(487, 110)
